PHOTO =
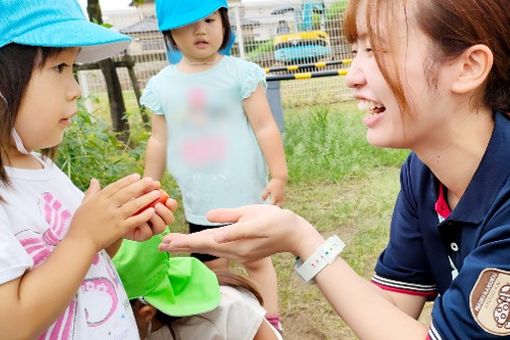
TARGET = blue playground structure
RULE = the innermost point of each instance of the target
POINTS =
(305, 44)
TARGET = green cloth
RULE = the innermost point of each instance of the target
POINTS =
(177, 286)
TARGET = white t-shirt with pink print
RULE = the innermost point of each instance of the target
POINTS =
(34, 217)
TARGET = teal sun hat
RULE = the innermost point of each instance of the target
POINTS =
(177, 286)
(57, 23)
(172, 14)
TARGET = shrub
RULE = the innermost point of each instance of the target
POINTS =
(91, 150)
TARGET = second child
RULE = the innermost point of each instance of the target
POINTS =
(213, 129)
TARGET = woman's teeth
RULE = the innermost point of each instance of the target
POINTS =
(370, 107)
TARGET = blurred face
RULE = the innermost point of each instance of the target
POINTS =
(387, 125)
(200, 41)
(49, 102)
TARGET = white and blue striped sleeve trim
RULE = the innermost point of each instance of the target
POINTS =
(404, 287)
(433, 333)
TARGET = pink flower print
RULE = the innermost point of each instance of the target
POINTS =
(41, 246)
(58, 219)
(62, 329)
(100, 307)
(203, 151)
(196, 98)
(103, 301)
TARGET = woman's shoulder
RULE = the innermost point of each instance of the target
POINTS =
(413, 166)
(415, 176)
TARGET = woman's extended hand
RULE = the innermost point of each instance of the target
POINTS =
(258, 231)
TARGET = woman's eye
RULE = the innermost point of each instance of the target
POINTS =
(354, 52)
(209, 21)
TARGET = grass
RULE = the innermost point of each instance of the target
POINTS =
(338, 182)
(343, 186)
(358, 209)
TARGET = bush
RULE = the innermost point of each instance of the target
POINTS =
(91, 150)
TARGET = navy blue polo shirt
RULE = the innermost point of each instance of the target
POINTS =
(464, 259)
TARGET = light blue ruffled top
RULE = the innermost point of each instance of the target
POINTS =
(212, 151)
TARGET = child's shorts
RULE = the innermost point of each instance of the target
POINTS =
(194, 228)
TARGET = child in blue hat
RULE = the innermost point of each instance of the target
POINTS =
(56, 277)
(212, 127)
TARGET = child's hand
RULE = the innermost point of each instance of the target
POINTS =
(157, 223)
(275, 188)
(107, 215)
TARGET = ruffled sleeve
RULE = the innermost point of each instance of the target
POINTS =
(252, 77)
(150, 98)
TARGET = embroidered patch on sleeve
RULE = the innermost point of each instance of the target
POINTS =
(489, 301)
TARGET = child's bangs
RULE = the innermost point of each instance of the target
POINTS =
(45, 53)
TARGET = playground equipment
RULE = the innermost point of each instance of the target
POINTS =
(316, 66)
(273, 82)
(305, 44)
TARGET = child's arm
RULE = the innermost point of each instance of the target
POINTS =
(268, 136)
(32, 302)
(155, 154)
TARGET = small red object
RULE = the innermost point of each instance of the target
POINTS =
(163, 196)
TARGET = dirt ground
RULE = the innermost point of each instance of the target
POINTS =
(359, 211)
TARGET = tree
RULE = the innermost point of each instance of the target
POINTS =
(120, 123)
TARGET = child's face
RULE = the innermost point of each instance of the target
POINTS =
(387, 125)
(49, 102)
(201, 40)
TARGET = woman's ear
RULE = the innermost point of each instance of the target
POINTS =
(474, 66)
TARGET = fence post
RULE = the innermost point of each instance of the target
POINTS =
(85, 93)
(130, 65)
(239, 31)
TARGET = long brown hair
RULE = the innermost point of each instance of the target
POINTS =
(452, 26)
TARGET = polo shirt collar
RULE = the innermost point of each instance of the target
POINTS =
(491, 175)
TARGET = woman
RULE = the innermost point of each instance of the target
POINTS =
(433, 77)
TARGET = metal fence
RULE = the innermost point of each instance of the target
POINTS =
(299, 43)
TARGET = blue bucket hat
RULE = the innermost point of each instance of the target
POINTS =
(173, 14)
(57, 23)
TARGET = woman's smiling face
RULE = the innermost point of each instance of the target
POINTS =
(405, 52)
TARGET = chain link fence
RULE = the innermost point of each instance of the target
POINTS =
(299, 43)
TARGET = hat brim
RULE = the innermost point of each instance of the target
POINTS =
(96, 42)
(189, 289)
(188, 18)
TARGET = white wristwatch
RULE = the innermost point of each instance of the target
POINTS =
(324, 255)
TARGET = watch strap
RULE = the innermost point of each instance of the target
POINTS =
(324, 255)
